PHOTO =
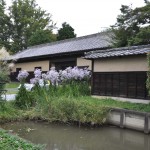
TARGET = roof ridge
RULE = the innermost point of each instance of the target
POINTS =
(67, 40)
(120, 49)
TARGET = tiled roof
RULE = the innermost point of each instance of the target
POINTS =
(123, 51)
(80, 44)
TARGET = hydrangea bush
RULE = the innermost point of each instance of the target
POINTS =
(69, 82)
(34, 81)
(38, 73)
(74, 74)
(53, 76)
(37, 77)
(63, 76)
(22, 75)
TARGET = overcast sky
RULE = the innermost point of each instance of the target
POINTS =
(85, 16)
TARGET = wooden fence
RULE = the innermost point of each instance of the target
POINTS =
(120, 84)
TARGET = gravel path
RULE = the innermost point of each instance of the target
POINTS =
(9, 97)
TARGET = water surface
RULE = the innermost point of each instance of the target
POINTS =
(65, 137)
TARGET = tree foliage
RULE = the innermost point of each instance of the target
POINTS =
(5, 26)
(26, 24)
(27, 18)
(65, 32)
(21, 22)
(133, 26)
(42, 36)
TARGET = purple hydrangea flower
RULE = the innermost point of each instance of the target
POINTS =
(66, 75)
(38, 73)
(34, 80)
(53, 76)
(22, 75)
(74, 74)
(87, 73)
(44, 76)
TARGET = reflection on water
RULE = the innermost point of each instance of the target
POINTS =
(63, 137)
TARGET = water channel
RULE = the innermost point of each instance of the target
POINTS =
(65, 137)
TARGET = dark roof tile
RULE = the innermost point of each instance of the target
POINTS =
(89, 42)
(122, 51)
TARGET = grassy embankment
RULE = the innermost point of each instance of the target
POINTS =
(83, 109)
(61, 105)
(100, 102)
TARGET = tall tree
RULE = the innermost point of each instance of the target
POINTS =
(5, 26)
(41, 37)
(65, 32)
(133, 26)
(27, 18)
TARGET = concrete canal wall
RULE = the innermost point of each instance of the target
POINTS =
(130, 119)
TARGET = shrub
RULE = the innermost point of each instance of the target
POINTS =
(24, 99)
(65, 109)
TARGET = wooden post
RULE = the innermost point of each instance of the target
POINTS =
(146, 124)
(122, 117)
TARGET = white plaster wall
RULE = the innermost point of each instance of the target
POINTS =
(121, 64)
(84, 62)
(29, 66)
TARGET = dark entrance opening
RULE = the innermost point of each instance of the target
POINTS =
(64, 65)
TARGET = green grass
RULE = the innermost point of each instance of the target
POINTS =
(117, 104)
(11, 91)
(12, 85)
(12, 142)
(59, 105)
